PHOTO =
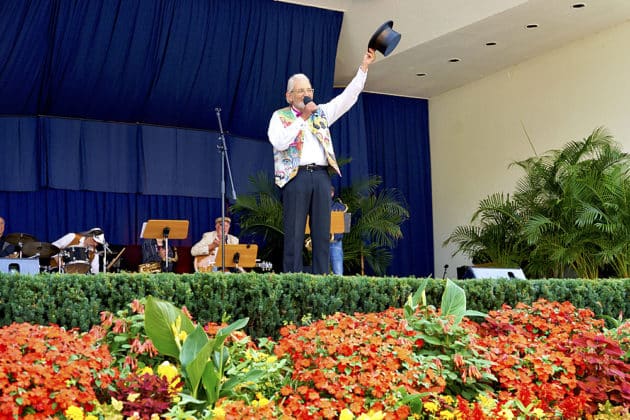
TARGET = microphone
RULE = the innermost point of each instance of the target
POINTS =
(445, 267)
(307, 100)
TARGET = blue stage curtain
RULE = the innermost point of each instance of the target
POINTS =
(398, 150)
(166, 62)
(20, 163)
(24, 49)
(350, 141)
(70, 154)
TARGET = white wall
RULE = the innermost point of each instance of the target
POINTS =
(477, 130)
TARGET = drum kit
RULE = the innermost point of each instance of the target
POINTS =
(74, 259)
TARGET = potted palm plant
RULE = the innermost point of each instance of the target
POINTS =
(377, 214)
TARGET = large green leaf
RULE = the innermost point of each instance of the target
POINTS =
(453, 301)
(223, 333)
(198, 363)
(159, 317)
(211, 380)
(193, 345)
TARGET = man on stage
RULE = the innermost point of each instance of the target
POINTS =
(303, 160)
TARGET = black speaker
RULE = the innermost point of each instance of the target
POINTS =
(472, 272)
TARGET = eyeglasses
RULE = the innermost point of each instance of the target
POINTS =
(303, 91)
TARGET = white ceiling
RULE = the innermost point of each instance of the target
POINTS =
(436, 31)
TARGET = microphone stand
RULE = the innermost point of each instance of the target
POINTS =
(105, 249)
(225, 162)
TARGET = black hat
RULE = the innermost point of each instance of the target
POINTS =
(385, 39)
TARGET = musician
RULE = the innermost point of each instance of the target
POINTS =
(6, 249)
(90, 240)
(205, 251)
(154, 251)
(336, 240)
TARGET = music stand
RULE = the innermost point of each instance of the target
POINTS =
(339, 222)
(165, 229)
(239, 255)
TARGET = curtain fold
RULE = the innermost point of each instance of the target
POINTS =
(398, 150)
(165, 62)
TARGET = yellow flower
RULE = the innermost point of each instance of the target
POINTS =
(261, 401)
(118, 405)
(155, 416)
(446, 415)
(507, 414)
(272, 359)
(486, 402)
(176, 326)
(133, 396)
(431, 407)
(448, 399)
(538, 413)
(346, 415)
(372, 415)
(182, 336)
(145, 370)
(74, 413)
(218, 413)
(91, 417)
(168, 371)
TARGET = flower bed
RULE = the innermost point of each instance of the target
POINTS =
(547, 360)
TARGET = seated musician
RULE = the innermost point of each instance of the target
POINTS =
(88, 240)
(7, 250)
(154, 251)
(205, 251)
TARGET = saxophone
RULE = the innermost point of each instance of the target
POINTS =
(150, 268)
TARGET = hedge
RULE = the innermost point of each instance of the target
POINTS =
(272, 300)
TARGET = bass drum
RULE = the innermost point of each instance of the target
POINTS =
(77, 260)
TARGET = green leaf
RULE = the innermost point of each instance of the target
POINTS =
(158, 319)
(220, 358)
(471, 312)
(251, 376)
(223, 333)
(198, 366)
(453, 301)
(211, 381)
(236, 325)
(193, 344)
(431, 340)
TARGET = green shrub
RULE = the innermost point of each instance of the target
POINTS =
(272, 300)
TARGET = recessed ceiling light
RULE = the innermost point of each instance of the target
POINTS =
(454, 60)
(578, 5)
(491, 43)
(421, 74)
(532, 26)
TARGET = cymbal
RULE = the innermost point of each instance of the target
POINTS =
(17, 238)
(44, 249)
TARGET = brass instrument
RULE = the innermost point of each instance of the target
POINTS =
(156, 266)
(150, 268)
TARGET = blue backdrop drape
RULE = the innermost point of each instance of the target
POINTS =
(109, 113)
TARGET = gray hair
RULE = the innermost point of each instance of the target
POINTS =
(292, 79)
